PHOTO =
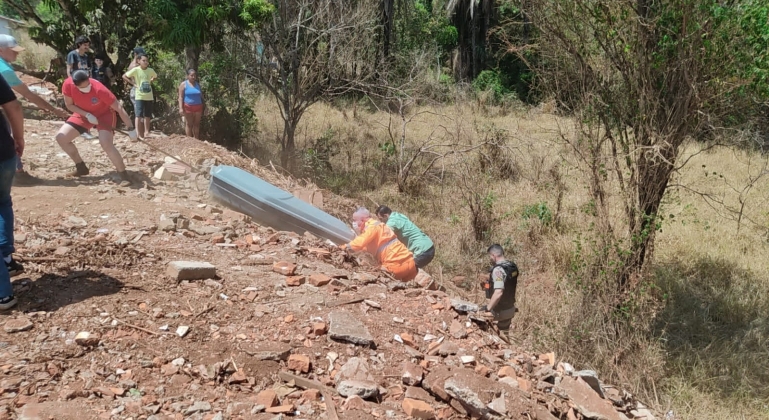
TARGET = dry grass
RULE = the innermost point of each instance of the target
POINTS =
(702, 352)
(36, 56)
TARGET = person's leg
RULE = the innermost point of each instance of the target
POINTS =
(424, 258)
(504, 321)
(64, 137)
(197, 116)
(7, 171)
(147, 107)
(106, 141)
(188, 123)
(403, 271)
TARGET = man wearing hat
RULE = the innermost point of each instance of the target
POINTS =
(9, 50)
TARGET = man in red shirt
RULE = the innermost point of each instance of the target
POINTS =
(93, 105)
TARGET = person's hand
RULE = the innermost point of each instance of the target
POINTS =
(181, 111)
(91, 118)
(62, 113)
(19, 145)
(483, 308)
(132, 134)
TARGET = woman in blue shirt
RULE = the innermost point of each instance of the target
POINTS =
(191, 103)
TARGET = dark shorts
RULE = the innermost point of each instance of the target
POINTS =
(424, 258)
(143, 109)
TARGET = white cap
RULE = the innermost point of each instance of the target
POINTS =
(7, 41)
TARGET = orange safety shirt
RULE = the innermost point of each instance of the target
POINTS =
(380, 241)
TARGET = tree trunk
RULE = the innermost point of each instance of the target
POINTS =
(387, 27)
(288, 154)
(192, 56)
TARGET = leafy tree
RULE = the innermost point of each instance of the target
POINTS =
(642, 77)
(188, 25)
(113, 26)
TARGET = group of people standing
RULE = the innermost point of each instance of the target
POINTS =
(140, 77)
(89, 104)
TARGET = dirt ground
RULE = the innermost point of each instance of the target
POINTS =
(96, 258)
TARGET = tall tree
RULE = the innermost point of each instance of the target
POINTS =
(473, 20)
(312, 50)
(643, 77)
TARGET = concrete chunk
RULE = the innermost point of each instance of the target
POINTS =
(345, 327)
(190, 270)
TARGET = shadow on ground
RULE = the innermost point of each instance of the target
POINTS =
(715, 326)
(54, 291)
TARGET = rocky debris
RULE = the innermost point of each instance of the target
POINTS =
(591, 378)
(345, 327)
(476, 393)
(18, 325)
(87, 339)
(55, 410)
(251, 327)
(191, 270)
(587, 401)
(294, 281)
(363, 389)
(267, 350)
(412, 374)
(182, 330)
(463, 307)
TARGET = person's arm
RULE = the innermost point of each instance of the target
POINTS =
(181, 98)
(123, 115)
(70, 103)
(495, 298)
(128, 77)
(41, 103)
(360, 242)
(154, 76)
(13, 114)
(70, 63)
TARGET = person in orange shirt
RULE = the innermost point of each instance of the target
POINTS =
(380, 241)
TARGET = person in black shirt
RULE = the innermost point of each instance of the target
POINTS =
(102, 70)
(10, 147)
(77, 59)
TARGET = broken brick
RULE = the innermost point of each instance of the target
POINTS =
(319, 328)
(294, 281)
(319, 280)
(267, 398)
(283, 267)
(507, 371)
(299, 363)
(418, 409)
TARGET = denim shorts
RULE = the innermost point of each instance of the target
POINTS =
(143, 109)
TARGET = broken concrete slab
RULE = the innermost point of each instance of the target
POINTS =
(591, 377)
(363, 389)
(476, 392)
(356, 369)
(587, 401)
(190, 270)
(345, 327)
(464, 306)
(435, 380)
(18, 325)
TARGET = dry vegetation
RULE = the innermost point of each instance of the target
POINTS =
(701, 348)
